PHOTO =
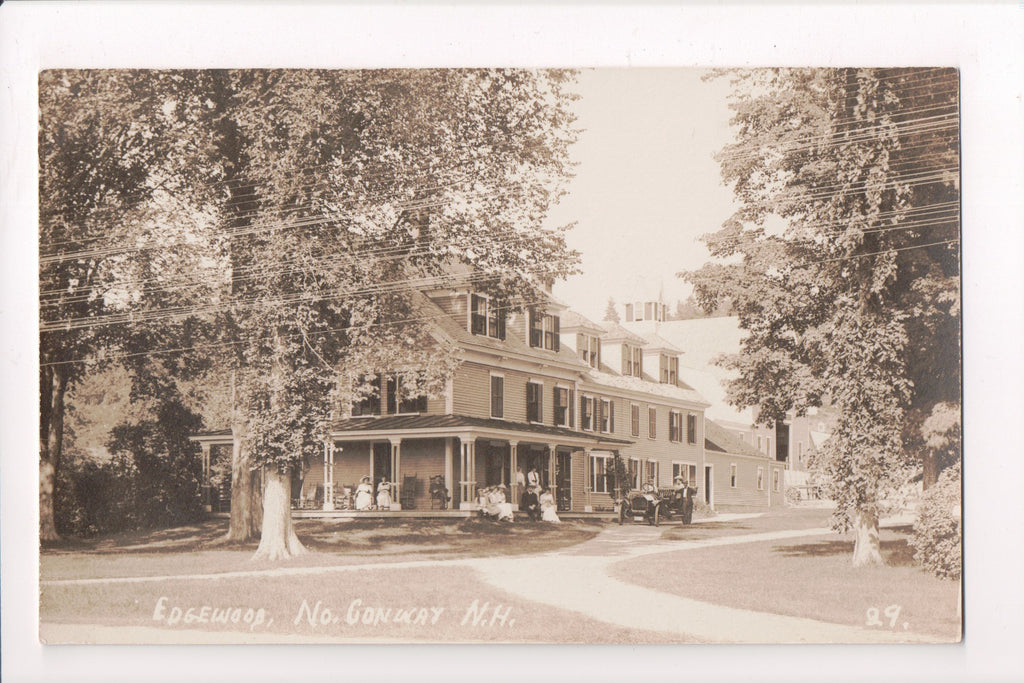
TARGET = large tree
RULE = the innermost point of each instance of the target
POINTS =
(332, 197)
(842, 263)
(97, 144)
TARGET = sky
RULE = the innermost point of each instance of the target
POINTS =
(647, 186)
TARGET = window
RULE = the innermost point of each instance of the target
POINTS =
(632, 361)
(691, 428)
(534, 412)
(563, 403)
(652, 423)
(629, 313)
(685, 470)
(638, 311)
(589, 349)
(485, 318)
(675, 426)
(497, 396)
(587, 413)
(669, 367)
(649, 310)
(544, 331)
(634, 473)
(651, 471)
(634, 419)
(759, 442)
(800, 451)
(732, 476)
(369, 403)
(402, 396)
(606, 416)
(600, 471)
(768, 449)
(760, 479)
(775, 481)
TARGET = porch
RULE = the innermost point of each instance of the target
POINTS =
(424, 455)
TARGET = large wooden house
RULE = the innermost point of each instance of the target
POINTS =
(544, 389)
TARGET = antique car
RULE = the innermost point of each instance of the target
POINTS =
(678, 504)
(641, 506)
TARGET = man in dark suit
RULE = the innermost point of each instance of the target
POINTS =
(530, 504)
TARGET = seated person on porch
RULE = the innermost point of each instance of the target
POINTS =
(384, 494)
(496, 505)
(547, 507)
(530, 504)
(364, 494)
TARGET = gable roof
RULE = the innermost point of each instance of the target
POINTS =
(615, 332)
(572, 321)
(717, 438)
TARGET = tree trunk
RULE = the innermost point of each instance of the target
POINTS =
(278, 540)
(929, 469)
(866, 549)
(241, 526)
(51, 449)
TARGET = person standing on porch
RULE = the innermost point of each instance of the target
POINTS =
(520, 478)
(533, 478)
(384, 494)
(364, 494)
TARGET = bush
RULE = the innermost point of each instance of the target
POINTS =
(937, 532)
(701, 508)
(152, 480)
(793, 496)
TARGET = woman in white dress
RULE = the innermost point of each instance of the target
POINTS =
(547, 507)
(384, 494)
(364, 494)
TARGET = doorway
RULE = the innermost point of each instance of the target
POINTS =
(708, 481)
(563, 480)
(381, 462)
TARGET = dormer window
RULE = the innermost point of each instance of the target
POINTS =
(544, 331)
(632, 361)
(485, 318)
(669, 367)
(588, 347)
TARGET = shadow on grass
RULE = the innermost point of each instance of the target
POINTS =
(895, 552)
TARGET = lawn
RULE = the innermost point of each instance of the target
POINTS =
(199, 548)
(808, 577)
(430, 604)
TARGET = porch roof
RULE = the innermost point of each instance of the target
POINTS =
(455, 425)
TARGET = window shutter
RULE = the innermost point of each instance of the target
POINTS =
(556, 321)
(611, 416)
(571, 407)
(625, 360)
(580, 348)
(501, 325)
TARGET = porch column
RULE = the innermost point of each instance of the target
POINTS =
(551, 471)
(328, 476)
(588, 479)
(207, 496)
(513, 455)
(448, 457)
(468, 482)
(396, 464)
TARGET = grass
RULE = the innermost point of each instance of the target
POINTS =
(199, 547)
(452, 590)
(808, 577)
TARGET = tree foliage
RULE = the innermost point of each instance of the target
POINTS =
(316, 204)
(842, 260)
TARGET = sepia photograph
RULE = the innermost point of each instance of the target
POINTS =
(500, 353)
(442, 355)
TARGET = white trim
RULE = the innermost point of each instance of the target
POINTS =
(709, 494)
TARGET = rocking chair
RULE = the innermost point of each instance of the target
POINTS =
(410, 487)
(438, 492)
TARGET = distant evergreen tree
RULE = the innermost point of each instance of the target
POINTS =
(611, 314)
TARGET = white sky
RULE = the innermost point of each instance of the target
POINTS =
(646, 187)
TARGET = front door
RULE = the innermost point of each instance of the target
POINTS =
(563, 480)
(707, 484)
(381, 462)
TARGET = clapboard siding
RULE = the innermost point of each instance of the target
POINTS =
(745, 496)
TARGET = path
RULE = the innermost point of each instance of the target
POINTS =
(577, 579)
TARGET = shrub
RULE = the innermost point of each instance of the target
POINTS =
(937, 532)
(701, 508)
(793, 496)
